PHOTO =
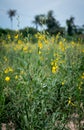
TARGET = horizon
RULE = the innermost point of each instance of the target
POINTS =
(27, 11)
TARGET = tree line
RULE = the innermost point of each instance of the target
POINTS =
(50, 24)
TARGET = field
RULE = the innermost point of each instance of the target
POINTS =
(42, 83)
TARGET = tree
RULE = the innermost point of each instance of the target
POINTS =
(70, 26)
(11, 14)
(52, 24)
(40, 20)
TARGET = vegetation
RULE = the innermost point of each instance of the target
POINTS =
(11, 14)
(48, 23)
(42, 75)
(42, 84)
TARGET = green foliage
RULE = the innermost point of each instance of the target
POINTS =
(28, 30)
(53, 25)
(41, 85)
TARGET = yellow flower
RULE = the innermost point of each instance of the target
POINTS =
(19, 42)
(25, 48)
(83, 50)
(61, 45)
(73, 43)
(16, 77)
(46, 41)
(40, 52)
(82, 76)
(69, 101)
(54, 69)
(21, 72)
(16, 36)
(6, 71)
(63, 83)
(7, 78)
(5, 58)
(79, 87)
(40, 45)
(10, 69)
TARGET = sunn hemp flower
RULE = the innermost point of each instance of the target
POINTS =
(7, 78)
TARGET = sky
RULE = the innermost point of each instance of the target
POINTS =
(27, 9)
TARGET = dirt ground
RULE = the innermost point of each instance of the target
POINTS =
(71, 125)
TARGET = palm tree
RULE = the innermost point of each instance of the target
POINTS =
(52, 24)
(40, 20)
(11, 14)
(70, 25)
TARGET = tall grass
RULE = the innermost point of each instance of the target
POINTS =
(42, 84)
